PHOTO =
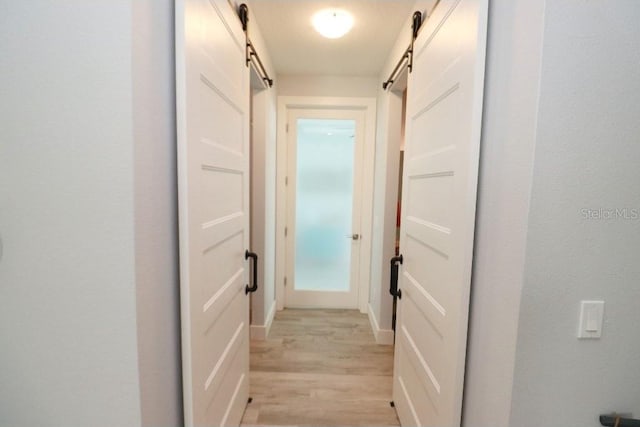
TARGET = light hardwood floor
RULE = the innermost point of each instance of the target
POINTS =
(320, 368)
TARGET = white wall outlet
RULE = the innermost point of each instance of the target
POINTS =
(591, 319)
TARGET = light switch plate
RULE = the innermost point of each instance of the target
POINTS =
(591, 319)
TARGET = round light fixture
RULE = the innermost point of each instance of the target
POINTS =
(332, 23)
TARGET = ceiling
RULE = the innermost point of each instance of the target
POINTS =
(296, 48)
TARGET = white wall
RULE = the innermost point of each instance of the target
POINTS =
(156, 234)
(88, 308)
(263, 207)
(560, 135)
(514, 48)
(67, 276)
(586, 157)
(263, 189)
(342, 86)
(388, 142)
(385, 198)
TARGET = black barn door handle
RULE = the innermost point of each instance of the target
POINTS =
(254, 257)
(393, 286)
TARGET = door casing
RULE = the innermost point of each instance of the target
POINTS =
(368, 105)
(323, 299)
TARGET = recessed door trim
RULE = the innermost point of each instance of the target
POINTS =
(366, 105)
(301, 291)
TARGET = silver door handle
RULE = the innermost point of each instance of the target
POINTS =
(353, 236)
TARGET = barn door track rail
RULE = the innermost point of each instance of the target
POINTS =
(407, 56)
(251, 53)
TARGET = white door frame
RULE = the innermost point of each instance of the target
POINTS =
(368, 105)
(324, 298)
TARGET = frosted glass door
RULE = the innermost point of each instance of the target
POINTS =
(324, 204)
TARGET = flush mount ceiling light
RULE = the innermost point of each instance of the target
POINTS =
(332, 23)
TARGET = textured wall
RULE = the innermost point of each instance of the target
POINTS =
(156, 233)
(343, 86)
(67, 276)
(586, 158)
(514, 46)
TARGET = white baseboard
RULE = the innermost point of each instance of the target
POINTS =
(383, 336)
(261, 332)
(270, 316)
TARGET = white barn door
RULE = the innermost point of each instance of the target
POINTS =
(212, 90)
(444, 112)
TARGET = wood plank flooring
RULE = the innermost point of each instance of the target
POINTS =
(320, 368)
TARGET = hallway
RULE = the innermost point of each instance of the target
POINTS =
(320, 367)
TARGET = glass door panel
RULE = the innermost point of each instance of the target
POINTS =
(325, 151)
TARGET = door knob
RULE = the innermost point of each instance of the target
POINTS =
(353, 236)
